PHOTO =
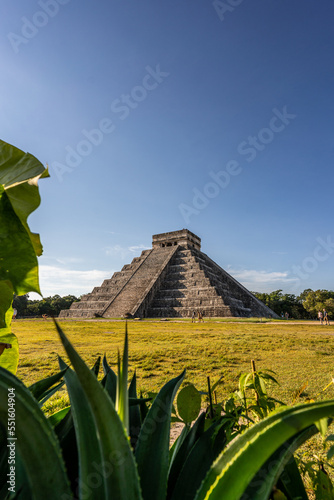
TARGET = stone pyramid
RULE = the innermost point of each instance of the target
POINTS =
(172, 279)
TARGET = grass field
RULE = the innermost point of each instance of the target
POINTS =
(298, 352)
(159, 350)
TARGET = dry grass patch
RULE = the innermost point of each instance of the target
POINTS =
(297, 352)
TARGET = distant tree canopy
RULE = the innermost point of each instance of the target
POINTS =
(304, 306)
(51, 306)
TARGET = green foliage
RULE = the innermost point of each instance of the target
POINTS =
(319, 300)
(305, 306)
(188, 404)
(51, 306)
(284, 303)
(19, 197)
(88, 454)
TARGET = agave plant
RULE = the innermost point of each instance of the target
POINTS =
(109, 445)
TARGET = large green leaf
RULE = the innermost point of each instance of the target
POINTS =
(19, 248)
(35, 441)
(117, 465)
(189, 403)
(16, 166)
(18, 260)
(152, 451)
(10, 357)
(234, 469)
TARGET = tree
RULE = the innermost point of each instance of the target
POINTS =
(51, 306)
(283, 303)
(20, 303)
(319, 300)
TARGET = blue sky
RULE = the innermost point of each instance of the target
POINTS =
(157, 116)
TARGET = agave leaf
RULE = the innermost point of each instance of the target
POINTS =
(64, 429)
(57, 417)
(152, 451)
(109, 381)
(143, 407)
(291, 483)
(3, 463)
(198, 461)
(86, 436)
(96, 367)
(138, 401)
(134, 412)
(51, 392)
(122, 397)
(116, 464)
(35, 441)
(181, 452)
(281, 465)
(39, 389)
(177, 445)
(250, 451)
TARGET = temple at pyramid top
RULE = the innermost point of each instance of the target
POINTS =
(174, 278)
(183, 237)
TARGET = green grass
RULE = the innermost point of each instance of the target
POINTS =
(296, 351)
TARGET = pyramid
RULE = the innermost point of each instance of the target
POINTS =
(172, 279)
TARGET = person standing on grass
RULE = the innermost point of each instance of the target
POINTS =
(193, 317)
(320, 316)
(325, 317)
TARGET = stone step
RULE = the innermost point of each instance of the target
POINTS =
(139, 284)
(169, 281)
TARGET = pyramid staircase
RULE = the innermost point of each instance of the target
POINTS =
(173, 279)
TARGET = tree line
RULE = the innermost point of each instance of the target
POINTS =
(50, 306)
(304, 306)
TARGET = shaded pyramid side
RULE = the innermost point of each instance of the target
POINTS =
(194, 282)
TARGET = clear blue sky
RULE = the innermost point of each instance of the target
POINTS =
(158, 116)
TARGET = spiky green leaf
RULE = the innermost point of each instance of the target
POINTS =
(116, 463)
(251, 450)
(35, 441)
(152, 451)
